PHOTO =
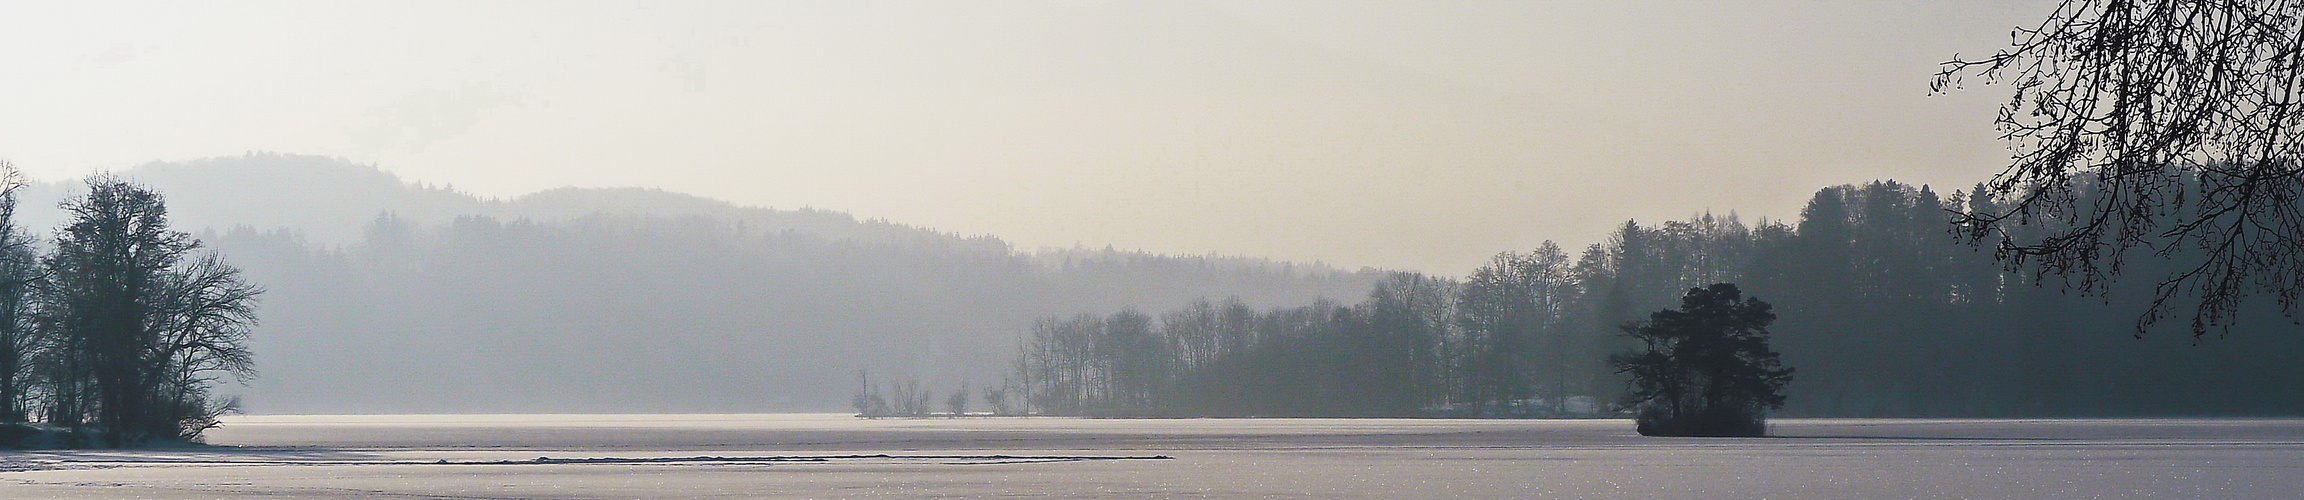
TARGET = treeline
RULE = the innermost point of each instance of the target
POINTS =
(115, 334)
(385, 296)
(1883, 309)
(624, 313)
(1491, 345)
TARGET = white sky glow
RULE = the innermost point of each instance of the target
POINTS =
(1408, 135)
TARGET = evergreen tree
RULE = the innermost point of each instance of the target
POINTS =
(1707, 369)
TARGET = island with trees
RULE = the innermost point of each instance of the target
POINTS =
(115, 335)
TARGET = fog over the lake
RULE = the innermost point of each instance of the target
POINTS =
(385, 296)
(1406, 136)
(1151, 248)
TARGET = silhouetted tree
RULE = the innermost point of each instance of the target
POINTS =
(1707, 369)
(19, 270)
(868, 401)
(1135, 361)
(1505, 308)
(2170, 125)
(958, 402)
(908, 399)
(1061, 358)
(1400, 365)
(138, 326)
(997, 398)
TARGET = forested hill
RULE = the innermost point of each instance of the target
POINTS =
(330, 201)
(386, 296)
(1880, 310)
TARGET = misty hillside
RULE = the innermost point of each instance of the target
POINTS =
(329, 201)
(387, 296)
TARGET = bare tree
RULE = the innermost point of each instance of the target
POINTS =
(201, 328)
(19, 269)
(908, 399)
(2172, 125)
(136, 331)
(997, 398)
(958, 403)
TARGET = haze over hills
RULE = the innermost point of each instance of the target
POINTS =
(330, 201)
(390, 296)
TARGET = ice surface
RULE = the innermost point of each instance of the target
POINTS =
(820, 456)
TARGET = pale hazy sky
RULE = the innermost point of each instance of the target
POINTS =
(1408, 135)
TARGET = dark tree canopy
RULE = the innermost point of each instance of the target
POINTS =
(1706, 369)
(1885, 313)
(2171, 125)
(19, 272)
(135, 326)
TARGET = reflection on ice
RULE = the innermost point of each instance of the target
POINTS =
(690, 456)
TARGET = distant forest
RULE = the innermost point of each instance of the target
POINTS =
(1882, 311)
(391, 297)
(387, 296)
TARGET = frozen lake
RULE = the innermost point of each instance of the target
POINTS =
(815, 456)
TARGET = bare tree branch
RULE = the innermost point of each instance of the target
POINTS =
(2171, 125)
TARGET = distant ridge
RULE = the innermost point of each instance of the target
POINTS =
(329, 200)
(387, 296)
